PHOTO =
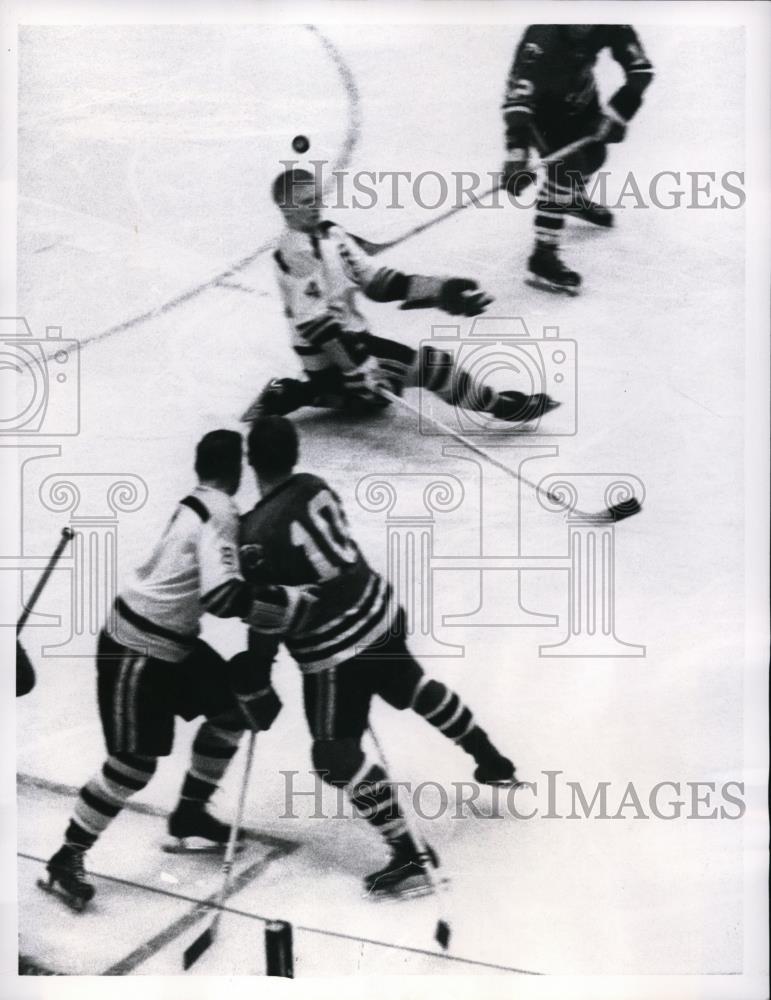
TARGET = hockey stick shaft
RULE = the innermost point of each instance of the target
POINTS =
(393, 398)
(442, 934)
(67, 535)
(373, 249)
(206, 938)
(617, 512)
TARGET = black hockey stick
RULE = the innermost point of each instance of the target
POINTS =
(206, 938)
(373, 249)
(616, 512)
(25, 672)
(67, 535)
(443, 930)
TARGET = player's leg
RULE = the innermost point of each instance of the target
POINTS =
(138, 724)
(337, 704)
(436, 370)
(206, 692)
(559, 191)
(402, 682)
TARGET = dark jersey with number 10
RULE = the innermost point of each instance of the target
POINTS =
(298, 534)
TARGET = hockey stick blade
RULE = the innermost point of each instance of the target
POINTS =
(192, 953)
(620, 511)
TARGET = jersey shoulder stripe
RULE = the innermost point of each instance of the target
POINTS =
(197, 507)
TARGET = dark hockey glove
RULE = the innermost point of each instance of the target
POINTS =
(516, 175)
(456, 296)
(258, 702)
(611, 128)
(280, 610)
(364, 383)
(463, 297)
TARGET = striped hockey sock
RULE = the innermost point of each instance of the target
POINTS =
(103, 797)
(443, 708)
(375, 800)
(214, 747)
(439, 374)
(553, 200)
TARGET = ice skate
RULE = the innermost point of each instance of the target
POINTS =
(192, 830)
(515, 407)
(492, 767)
(548, 272)
(592, 212)
(67, 878)
(406, 874)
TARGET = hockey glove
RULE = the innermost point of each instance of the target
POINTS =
(280, 610)
(456, 296)
(516, 175)
(258, 702)
(364, 383)
(612, 128)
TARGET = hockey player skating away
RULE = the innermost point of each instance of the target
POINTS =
(552, 100)
(350, 647)
(320, 269)
(152, 666)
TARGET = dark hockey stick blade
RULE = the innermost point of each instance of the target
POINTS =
(442, 934)
(625, 509)
(192, 953)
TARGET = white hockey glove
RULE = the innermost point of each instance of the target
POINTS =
(281, 610)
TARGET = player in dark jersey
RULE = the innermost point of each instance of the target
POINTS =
(552, 100)
(350, 646)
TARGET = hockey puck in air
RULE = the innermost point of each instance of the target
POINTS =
(300, 144)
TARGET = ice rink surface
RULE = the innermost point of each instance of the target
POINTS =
(145, 159)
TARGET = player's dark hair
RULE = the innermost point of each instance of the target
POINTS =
(273, 446)
(287, 185)
(218, 455)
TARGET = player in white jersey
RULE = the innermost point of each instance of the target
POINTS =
(321, 270)
(152, 667)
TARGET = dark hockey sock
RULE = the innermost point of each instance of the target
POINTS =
(439, 374)
(214, 747)
(443, 709)
(103, 797)
(375, 800)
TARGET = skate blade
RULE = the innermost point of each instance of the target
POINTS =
(548, 286)
(73, 902)
(196, 845)
(416, 890)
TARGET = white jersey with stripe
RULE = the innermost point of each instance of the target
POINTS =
(298, 534)
(160, 609)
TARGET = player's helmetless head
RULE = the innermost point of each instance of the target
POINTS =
(298, 196)
(218, 460)
(273, 448)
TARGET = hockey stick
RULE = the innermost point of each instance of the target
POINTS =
(443, 930)
(373, 249)
(67, 535)
(206, 938)
(616, 512)
(25, 672)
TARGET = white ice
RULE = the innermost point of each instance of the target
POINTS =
(145, 158)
